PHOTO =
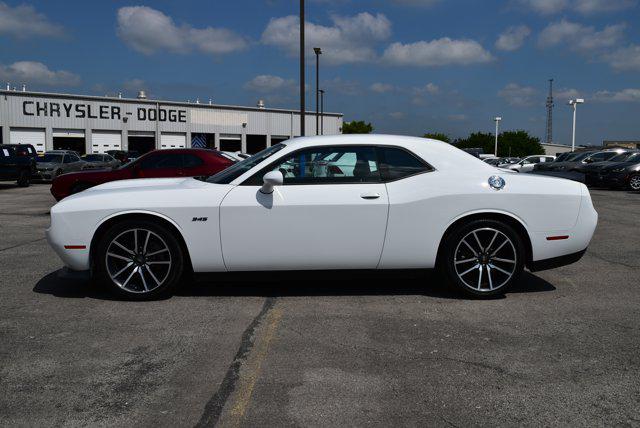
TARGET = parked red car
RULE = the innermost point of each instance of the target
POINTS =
(155, 164)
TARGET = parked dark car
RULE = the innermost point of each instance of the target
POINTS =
(25, 150)
(624, 174)
(14, 166)
(592, 170)
(154, 164)
(55, 163)
(100, 161)
(575, 161)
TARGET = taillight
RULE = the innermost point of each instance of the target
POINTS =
(334, 169)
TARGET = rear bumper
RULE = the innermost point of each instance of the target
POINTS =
(555, 262)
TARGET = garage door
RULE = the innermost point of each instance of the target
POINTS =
(33, 136)
(170, 140)
(101, 141)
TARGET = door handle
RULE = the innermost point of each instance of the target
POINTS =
(370, 195)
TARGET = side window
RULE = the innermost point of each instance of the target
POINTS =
(397, 163)
(191, 161)
(326, 165)
(66, 159)
(161, 161)
(74, 158)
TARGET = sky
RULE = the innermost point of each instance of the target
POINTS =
(406, 66)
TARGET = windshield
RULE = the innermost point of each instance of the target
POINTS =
(635, 157)
(50, 158)
(236, 170)
(92, 158)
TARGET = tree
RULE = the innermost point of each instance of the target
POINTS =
(510, 143)
(357, 127)
(437, 136)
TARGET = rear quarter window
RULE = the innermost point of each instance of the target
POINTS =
(397, 163)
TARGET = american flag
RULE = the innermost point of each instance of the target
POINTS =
(198, 141)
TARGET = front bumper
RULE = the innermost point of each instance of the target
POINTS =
(43, 175)
(75, 258)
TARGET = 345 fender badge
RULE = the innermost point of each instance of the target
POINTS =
(199, 219)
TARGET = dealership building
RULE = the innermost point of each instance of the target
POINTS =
(90, 124)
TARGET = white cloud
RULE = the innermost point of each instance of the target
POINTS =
(348, 40)
(397, 115)
(420, 3)
(519, 96)
(548, 7)
(24, 21)
(421, 93)
(625, 95)
(148, 30)
(580, 38)
(381, 87)
(444, 51)
(594, 6)
(513, 38)
(565, 94)
(266, 83)
(36, 73)
(624, 59)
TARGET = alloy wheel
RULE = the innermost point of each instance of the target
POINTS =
(138, 260)
(634, 182)
(485, 259)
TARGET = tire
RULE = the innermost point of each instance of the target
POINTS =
(485, 266)
(634, 182)
(79, 187)
(152, 272)
(24, 179)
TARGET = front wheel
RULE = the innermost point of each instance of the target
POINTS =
(634, 182)
(483, 257)
(139, 260)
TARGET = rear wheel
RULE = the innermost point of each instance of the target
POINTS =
(634, 182)
(139, 260)
(24, 179)
(483, 257)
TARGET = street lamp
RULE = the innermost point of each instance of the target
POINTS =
(302, 84)
(318, 52)
(497, 119)
(574, 103)
(321, 111)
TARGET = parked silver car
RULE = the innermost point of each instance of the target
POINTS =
(100, 161)
(53, 164)
(527, 163)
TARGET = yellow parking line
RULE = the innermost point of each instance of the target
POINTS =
(251, 372)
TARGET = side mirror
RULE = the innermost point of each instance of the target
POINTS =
(271, 179)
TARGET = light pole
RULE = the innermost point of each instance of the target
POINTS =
(321, 111)
(302, 84)
(318, 52)
(574, 103)
(497, 119)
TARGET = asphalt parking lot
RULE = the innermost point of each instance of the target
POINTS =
(563, 348)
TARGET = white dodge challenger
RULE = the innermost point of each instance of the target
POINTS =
(331, 202)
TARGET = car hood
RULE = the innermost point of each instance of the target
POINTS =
(617, 165)
(145, 194)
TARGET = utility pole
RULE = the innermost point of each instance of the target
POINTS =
(574, 104)
(321, 111)
(302, 84)
(318, 52)
(497, 119)
(549, 138)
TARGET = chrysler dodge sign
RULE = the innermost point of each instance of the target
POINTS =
(92, 111)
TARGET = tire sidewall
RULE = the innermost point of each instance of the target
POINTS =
(631, 178)
(177, 255)
(456, 236)
(24, 179)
